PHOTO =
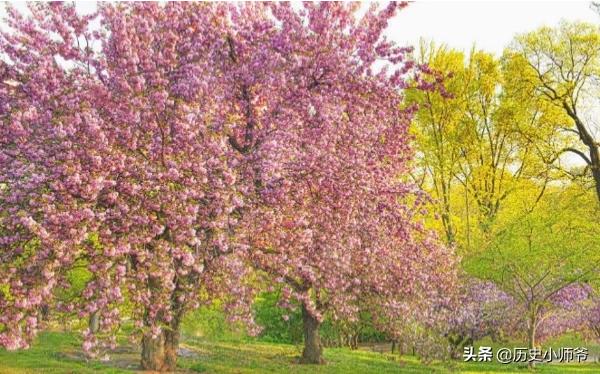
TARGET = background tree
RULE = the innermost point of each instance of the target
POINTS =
(479, 309)
(476, 143)
(439, 131)
(560, 66)
(591, 315)
(534, 258)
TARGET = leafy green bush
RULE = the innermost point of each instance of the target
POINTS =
(285, 326)
(272, 319)
(210, 322)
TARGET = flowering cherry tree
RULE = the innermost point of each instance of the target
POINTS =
(334, 219)
(479, 309)
(569, 310)
(115, 156)
(448, 315)
(590, 315)
(162, 146)
(330, 264)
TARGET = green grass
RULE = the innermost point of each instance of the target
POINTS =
(48, 356)
(60, 353)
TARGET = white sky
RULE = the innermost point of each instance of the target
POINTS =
(489, 25)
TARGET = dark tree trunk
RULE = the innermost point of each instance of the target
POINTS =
(586, 137)
(595, 166)
(313, 350)
(354, 341)
(160, 353)
(45, 313)
(594, 163)
(457, 343)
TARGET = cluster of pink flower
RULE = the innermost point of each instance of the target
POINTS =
(175, 145)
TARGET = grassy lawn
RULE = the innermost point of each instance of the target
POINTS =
(60, 353)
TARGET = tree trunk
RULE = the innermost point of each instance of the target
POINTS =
(594, 164)
(313, 350)
(45, 313)
(94, 322)
(160, 353)
(531, 335)
(446, 216)
(354, 342)
(586, 138)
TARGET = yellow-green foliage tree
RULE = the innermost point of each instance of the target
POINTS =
(439, 132)
(560, 66)
(491, 152)
(539, 248)
(478, 143)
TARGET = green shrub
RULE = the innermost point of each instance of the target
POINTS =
(210, 322)
(272, 319)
